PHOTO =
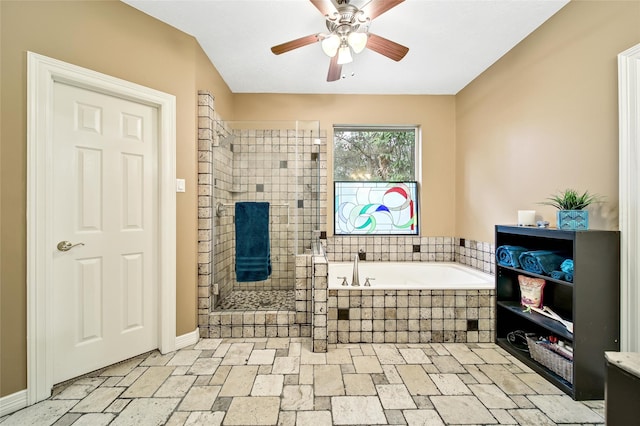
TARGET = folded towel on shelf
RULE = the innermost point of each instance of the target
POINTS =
(568, 277)
(508, 255)
(542, 262)
(253, 251)
(558, 275)
(567, 266)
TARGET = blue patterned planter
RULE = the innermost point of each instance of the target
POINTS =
(573, 220)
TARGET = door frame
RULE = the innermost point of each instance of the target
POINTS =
(42, 73)
(629, 182)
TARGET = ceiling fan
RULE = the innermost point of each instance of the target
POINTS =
(348, 31)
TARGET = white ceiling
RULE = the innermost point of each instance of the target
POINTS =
(450, 42)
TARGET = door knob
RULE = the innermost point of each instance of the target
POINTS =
(66, 245)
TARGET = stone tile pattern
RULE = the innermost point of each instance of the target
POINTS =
(320, 297)
(411, 316)
(258, 300)
(304, 281)
(393, 248)
(256, 323)
(205, 208)
(280, 381)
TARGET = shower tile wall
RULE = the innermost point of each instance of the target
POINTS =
(275, 166)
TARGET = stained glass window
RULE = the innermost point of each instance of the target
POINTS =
(376, 208)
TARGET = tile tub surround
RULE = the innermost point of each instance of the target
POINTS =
(280, 381)
(476, 254)
(410, 316)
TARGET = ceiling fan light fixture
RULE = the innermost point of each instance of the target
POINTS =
(344, 55)
(357, 41)
(330, 45)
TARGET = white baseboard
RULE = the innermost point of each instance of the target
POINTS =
(188, 339)
(12, 403)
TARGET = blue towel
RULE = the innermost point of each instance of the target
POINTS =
(558, 275)
(253, 252)
(542, 262)
(508, 255)
(567, 266)
(568, 277)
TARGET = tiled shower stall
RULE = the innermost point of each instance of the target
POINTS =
(283, 163)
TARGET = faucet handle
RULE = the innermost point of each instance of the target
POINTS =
(344, 280)
(366, 281)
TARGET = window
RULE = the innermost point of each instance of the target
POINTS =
(375, 173)
(374, 153)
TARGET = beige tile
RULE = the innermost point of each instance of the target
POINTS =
(156, 358)
(148, 383)
(123, 368)
(287, 418)
(263, 356)
(238, 354)
(75, 391)
(208, 418)
(503, 417)
(359, 384)
(43, 413)
(415, 356)
(178, 418)
(327, 380)
(539, 384)
(297, 397)
(239, 381)
(491, 396)
(530, 416)
(357, 410)
(308, 357)
(388, 354)
(450, 384)
(417, 380)
(184, 357)
(286, 365)
(491, 356)
(258, 410)
(314, 418)
(204, 366)
(422, 417)
(562, 409)
(97, 400)
(267, 385)
(507, 381)
(367, 365)
(339, 356)
(132, 377)
(447, 364)
(395, 397)
(199, 398)
(146, 411)
(462, 410)
(208, 344)
(175, 386)
(94, 419)
(463, 354)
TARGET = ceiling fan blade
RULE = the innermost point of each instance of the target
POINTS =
(375, 8)
(294, 44)
(326, 7)
(335, 69)
(385, 47)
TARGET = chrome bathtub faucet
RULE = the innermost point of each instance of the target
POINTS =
(355, 282)
(367, 283)
(344, 280)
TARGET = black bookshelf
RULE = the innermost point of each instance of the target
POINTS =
(591, 302)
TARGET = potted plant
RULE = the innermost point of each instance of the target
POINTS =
(571, 207)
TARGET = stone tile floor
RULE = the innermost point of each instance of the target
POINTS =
(279, 381)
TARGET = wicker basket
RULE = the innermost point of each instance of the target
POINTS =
(554, 362)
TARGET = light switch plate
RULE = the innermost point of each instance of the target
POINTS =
(180, 185)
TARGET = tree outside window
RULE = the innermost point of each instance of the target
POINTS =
(374, 153)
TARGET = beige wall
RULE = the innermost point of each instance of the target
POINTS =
(113, 38)
(435, 114)
(545, 118)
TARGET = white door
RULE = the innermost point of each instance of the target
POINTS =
(105, 292)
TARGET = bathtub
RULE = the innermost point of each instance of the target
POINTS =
(410, 276)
